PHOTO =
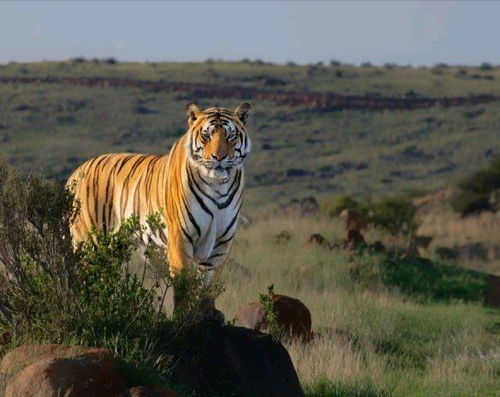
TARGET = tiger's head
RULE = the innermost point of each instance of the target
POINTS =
(217, 140)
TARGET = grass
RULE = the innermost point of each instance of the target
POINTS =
(353, 152)
(375, 339)
(380, 332)
(374, 335)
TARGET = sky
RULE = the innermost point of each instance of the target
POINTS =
(402, 32)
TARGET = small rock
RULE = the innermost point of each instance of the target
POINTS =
(294, 318)
(55, 377)
(318, 239)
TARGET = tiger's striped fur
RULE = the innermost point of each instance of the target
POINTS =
(197, 187)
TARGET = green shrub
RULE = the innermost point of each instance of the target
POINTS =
(337, 204)
(396, 215)
(51, 292)
(267, 302)
(475, 190)
(427, 280)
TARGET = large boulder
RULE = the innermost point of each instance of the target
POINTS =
(226, 360)
(26, 355)
(54, 377)
(293, 317)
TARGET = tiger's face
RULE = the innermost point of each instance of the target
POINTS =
(218, 143)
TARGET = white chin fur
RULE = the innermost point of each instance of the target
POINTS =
(216, 175)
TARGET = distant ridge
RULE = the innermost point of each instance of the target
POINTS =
(327, 101)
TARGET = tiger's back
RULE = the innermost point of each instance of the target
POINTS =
(111, 187)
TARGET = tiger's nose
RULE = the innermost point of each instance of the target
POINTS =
(219, 156)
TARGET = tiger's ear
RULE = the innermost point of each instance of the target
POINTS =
(192, 111)
(242, 112)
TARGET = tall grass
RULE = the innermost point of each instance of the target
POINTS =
(371, 335)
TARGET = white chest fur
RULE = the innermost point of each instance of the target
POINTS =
(213, 212)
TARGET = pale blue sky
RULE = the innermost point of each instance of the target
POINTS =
(402, 32)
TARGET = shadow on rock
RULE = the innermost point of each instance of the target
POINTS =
(213, 360)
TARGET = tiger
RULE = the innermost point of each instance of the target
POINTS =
(197, 189)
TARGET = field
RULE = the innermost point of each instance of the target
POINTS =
(376, 335)
(299, 149)
(376, 338)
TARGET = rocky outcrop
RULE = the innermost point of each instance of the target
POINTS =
(25, 355)
(233, 361)
(293, 317)
(53, 370)
(53, 377)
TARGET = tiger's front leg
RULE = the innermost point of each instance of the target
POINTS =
(193, 282)
(180, 262)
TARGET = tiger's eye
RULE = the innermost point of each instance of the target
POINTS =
(205, 136)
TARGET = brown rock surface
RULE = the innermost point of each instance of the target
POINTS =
(54, 377)
(25, 355)
(293, 317)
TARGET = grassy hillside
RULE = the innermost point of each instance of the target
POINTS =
(385, 324)
(298, 150)
(376, 340)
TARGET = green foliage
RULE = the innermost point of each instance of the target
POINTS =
(335, 205)
(51, 292)
(267, 302)
(475, 190)
(195, 296)
(69, 127)
(40, 267)
(396, 215)
(107, 295)
(424, 279)
(393, 214)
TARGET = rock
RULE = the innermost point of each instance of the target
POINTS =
(3, 382)
(354, 240)
(229, 360)
(294, 318)
(378, 246)
(154, 391)
(318, 239)
(282, 237)
(26, 355)
(54, 377)
(308, 206)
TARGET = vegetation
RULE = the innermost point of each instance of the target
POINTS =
(298, 151)
(52, 293)
(386, 324)
(271, 318)
(476, 191)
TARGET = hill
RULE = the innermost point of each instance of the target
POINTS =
(317, 130)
